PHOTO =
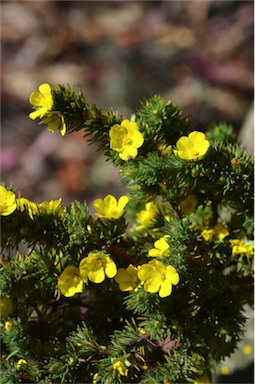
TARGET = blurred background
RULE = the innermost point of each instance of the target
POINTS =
(199, 54)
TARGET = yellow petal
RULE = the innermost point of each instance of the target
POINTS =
(35, 98)
(172, 275)
(97, 276)
(130, 125)
(182, 144)
(137, 139)
(110, 269)
(7, 201)
(123, 200)
(38, 113)
(128, 152)
(154, 252)
(152, 286)
(45, 90)
(165, 289)
(197, 137)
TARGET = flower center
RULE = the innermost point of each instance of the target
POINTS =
(76, 278)
(126, 140)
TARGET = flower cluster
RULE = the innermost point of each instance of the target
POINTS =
(94, 267)
(126, 139)
(46, 207)
(153, 276)
(9, 203)
(43, 104)
(129, 329)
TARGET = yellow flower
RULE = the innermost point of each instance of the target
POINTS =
(161, 248)
(192, 147)
(46, 207)
(125, 139)
(7, 201)
(95, 378)
(218, 232)
(6, 306)
(109, 207)
(8, 326)
(165, 149)
(50, 207)
(19, 364)
(70, 282)
(42, 101)
(240, 247)
(96, 265)
(127, 278)
(55, 121)
(147, 216)
(24, 204)
(208, 234)
(158, 278)
(120, 367)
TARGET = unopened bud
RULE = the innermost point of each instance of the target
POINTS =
(8, 326)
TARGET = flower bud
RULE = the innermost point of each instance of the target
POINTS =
(8, 326)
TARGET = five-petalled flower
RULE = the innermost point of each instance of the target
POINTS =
(157, 277)
(127, 278)
(126, 139)
(70, 282)
(42, 101)
(55, 121)
(161, 248)
(43, 104)
(192, 147)
(96, 266)
(109, 208)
